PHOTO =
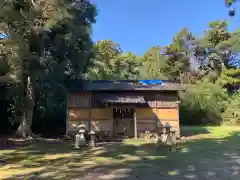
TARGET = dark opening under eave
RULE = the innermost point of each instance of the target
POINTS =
(123, 100)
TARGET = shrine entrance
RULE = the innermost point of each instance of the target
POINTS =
(123, 122)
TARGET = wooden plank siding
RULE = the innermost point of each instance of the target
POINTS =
(148, 119)
(82, 114)
(75, 114)
(79, 100)
(161, 108)
(153, 99)
(169, 116)
(97, 125)
(101, 118)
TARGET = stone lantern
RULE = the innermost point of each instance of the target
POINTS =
(168, 128)
(91, 143)
(80, 138)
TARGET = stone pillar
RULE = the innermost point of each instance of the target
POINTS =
(113, 123)
(77, 140)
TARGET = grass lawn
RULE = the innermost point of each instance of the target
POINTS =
(207, 153)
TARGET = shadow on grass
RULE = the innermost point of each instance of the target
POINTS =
(212, 158)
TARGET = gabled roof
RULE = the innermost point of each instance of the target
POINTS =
(123, 85)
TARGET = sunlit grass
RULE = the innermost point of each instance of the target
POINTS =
(61, 159)
(136, 142)
(56, 156)
(9, 171)
(210, 131)
(223, 131)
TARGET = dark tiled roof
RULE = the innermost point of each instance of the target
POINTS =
(123, 100)
(122, 85)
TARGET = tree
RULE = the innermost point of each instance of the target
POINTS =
(178, 55)
(154, 64)
(215, 52)
(232, 114)
(205, 101)
(50, 39)
(111, 63)
(128, 66)
(212, 57)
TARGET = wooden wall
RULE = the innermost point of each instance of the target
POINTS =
(101, 119)
(148, 119)
(78, 100)
(160, 108)
(152, 99)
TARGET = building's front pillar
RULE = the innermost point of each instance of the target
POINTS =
(90, 112)
(135, 123)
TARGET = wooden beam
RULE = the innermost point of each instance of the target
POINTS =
(155, 110)
(135, 123)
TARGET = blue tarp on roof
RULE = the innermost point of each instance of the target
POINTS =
(3, 36)
(151, 82)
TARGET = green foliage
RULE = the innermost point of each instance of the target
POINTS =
(50, 42)
(205, 100)
(232, 113)
(230, 76)
(218, 32)
(215, 51)
(178, 55)
(111, 63)
(154, 64)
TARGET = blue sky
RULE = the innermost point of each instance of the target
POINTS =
(139, 24)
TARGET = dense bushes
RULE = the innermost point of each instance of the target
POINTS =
(231, 114)
(208, 103)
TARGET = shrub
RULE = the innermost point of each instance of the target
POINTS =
(203, 103)
(232, 113)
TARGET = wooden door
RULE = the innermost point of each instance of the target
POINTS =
(123, 121)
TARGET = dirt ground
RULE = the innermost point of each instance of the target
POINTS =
(207, 153)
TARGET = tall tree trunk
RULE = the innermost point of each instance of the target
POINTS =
(26, 122)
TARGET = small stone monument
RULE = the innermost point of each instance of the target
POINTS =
(168, 128)
(80, 138)
(91, 143)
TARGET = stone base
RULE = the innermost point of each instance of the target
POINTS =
(74, 148)
(91, 144)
